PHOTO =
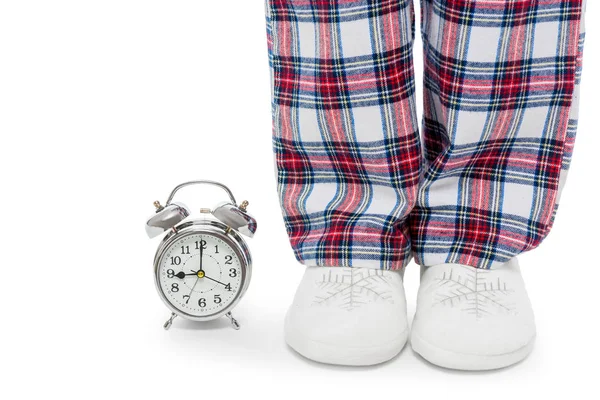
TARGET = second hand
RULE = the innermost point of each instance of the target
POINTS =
(193, 287)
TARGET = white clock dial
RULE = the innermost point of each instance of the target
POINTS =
(200, 274)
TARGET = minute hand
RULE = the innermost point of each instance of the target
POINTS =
(201, 253)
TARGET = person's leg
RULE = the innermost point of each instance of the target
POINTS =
(500, 116)
(348, 161)
(501, 84)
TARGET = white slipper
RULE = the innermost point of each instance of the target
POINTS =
(348, 316)
(473, 319)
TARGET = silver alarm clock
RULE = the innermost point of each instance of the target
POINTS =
(202, 267)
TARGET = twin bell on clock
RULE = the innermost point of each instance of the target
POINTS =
(202, 267)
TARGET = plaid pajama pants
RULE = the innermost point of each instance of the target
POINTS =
(360, 187)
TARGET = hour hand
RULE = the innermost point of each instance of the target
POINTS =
(182, 274)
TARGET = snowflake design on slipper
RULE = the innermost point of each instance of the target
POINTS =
(473, 291)
(353, 288)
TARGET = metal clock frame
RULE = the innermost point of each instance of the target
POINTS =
(223, 232)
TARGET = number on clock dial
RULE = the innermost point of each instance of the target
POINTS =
(200, 274)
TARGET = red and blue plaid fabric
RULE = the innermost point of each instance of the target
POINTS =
(356, 186)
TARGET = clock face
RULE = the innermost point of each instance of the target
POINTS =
(200, 274)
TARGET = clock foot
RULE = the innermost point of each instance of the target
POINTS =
(169, 322)
(234, 322)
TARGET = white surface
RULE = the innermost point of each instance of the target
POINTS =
(348, 316)
(473, 319)
(104, 107)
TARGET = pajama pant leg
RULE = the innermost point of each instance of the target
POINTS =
(345, 133)
(500, 114)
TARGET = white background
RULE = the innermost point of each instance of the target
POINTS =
(104, 107)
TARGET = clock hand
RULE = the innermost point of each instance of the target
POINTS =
(192, 291)
(201, 254)
(182, 275)
(214, 280)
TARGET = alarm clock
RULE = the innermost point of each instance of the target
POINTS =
(202, 267)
